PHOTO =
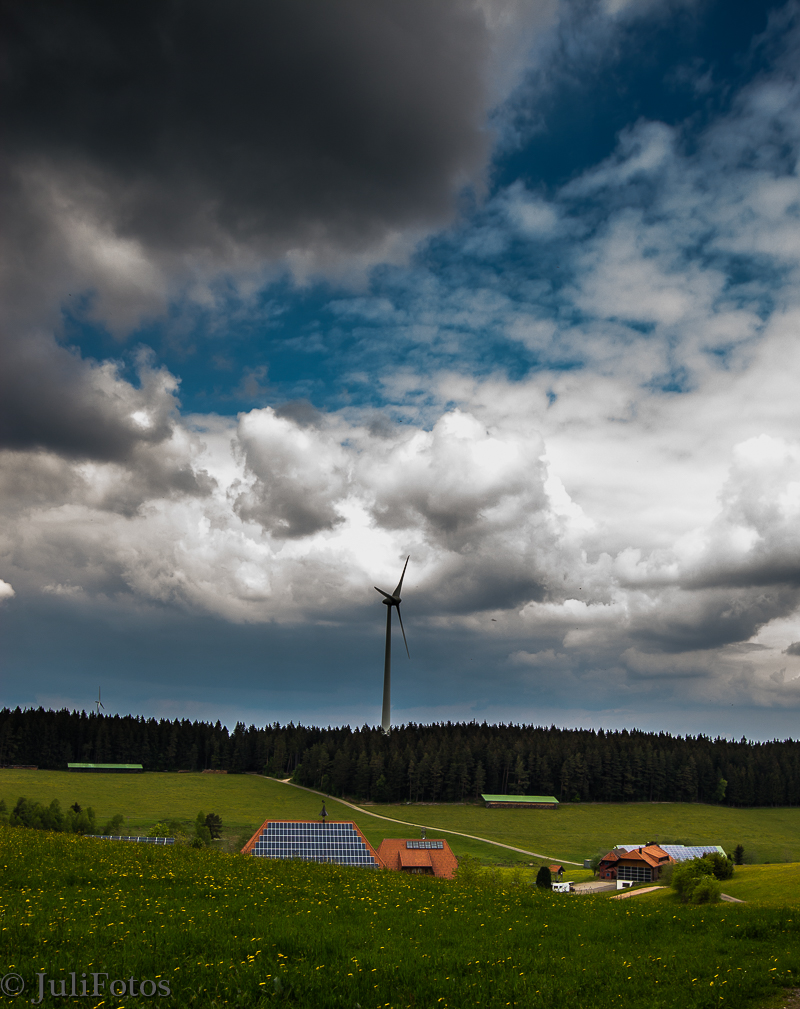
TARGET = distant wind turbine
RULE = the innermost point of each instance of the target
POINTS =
(98, 704)
(390, 601)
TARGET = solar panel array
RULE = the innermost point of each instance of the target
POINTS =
(685, 852)
(121, 837)
(314, 842)
(425, 844)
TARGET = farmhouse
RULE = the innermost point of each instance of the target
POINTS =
(638, 865)
(680, 852)
(425, 857)
(338, 841)
(520, 801)
(556, 871)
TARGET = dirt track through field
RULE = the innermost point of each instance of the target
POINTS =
(428, 826)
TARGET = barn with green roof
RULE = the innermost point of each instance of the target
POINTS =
(520, 801)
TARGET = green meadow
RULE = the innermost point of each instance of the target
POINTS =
(243, 801)
(218, 929)
(574, 831)
(764, 884)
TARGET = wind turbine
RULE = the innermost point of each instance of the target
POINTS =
(390, 602)
(98, 704)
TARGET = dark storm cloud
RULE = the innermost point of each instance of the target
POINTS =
(150, 145)
(53, 399)
(711, 618)
(277, 124)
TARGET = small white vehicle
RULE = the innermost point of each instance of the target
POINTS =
(561, 887)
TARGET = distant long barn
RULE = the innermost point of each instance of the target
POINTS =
(107, 768)
(520, 801)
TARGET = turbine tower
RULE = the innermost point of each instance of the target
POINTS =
(390, 602)
(98, 704)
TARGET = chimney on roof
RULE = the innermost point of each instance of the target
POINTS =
(640, 851)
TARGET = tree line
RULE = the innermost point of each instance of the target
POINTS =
(444, 762)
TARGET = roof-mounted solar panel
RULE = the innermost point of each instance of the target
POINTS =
(314, 842)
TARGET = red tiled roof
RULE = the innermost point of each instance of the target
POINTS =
(651, 854)
(556, 868)
(415, 858)
(397, 856)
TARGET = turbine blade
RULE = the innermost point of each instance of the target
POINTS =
(399, 588)
(387, 596)
(408, 653)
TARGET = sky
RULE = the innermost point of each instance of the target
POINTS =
(292, 291)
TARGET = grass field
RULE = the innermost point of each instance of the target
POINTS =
(221, 929)
(577, 831)
(243, 801)
(767, 884)
(571, 832)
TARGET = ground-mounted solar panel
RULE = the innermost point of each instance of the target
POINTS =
(314, 842)
(124, 837)
(428, 845)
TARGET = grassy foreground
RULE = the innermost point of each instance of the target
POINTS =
(221, 929)
(574, 831)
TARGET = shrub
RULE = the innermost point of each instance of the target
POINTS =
(722, 866)
(706, 891)
(687, 878)
(595, 860)
(738, 854)
(544, 877)
(39, 817)
(214, 824)
(114, 825)
(169, 828)
(201, 830)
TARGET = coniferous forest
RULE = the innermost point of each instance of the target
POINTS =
(446, 762)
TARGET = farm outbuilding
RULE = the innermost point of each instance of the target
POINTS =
(556, 871)
(428, 857)
(108, 768)
(520, 801)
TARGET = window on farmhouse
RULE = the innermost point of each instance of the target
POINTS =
(637, 873)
